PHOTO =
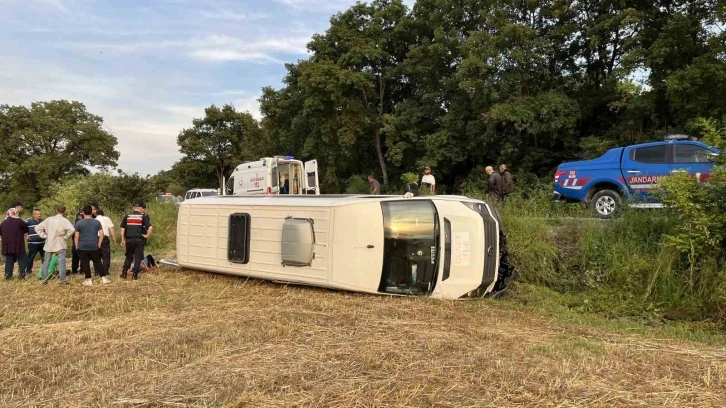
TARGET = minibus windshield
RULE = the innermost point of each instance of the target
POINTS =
(410, 246)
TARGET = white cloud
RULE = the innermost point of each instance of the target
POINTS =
(222, 55)
(327, 5)
(228, 48)
(247, 104)
(251, 105)
(52, 5)
(214, 48)
(229, 15)
(318, 5)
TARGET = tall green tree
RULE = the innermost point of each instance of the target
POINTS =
(48, 141)
(220, 140)
(458, 84)
(344, 90)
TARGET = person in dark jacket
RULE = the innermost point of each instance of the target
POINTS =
(494, 186)
(12, 233)
(35, 242)
(135, 231)
(507, 181)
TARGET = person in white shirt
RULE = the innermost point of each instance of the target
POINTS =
(107, 226)
(428, 179)
(55, 230)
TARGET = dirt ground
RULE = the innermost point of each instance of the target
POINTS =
(183, 338)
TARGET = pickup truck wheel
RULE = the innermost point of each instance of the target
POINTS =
(606, 203)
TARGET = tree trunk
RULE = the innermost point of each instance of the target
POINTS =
(379, 148)
(220, 177)
(381, 160)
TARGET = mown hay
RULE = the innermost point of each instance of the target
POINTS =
(183, 338)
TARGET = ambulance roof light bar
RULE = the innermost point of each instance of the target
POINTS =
(677, 136)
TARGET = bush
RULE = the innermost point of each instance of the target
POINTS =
(357, 184)
(637, 264)
(114, 193)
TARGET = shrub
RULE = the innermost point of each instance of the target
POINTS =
(114, 193)
(625, 266)
(357, 184)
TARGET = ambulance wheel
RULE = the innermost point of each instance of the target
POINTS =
(606, 204)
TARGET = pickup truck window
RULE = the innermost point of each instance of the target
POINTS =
(688, 153)
(650, 154)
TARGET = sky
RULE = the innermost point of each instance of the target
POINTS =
(150, 67)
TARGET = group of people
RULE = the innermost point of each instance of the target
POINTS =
(91, 242)
(427, 181)
(499, 185)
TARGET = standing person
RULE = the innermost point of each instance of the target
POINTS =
(135, 231)
(18, 207)
(56, 230)
(494, 186)
(12, 233)
(88, 239)
(35, 242)
(428, 179)
(75, 260)
(107, 226)
(374, 186)
(507, 181)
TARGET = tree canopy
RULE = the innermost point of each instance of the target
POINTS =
(215, 144)
(458, 84)
(49, 141)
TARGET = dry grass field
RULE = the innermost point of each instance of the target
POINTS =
(183, 338)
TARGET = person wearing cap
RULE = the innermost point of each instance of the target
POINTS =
(12, 233)
(428, 179)
(135, 231)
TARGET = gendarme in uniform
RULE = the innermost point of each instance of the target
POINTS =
(135, 230)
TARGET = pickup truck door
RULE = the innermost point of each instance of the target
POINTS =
(692, 159)
(311, 179)
(643, 167)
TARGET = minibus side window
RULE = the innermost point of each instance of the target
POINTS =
(447, 249)
(238, 238)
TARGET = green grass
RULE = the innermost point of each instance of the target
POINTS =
(616, 268)
(580, 309)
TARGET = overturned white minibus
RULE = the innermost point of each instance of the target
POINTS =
(443, 246)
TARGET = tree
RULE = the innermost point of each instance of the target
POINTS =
(220, 140)
(48, 142)
(340, 95)
(458, 84)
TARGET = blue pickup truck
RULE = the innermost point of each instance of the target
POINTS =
(631, 174)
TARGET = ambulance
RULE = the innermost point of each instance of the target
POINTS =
(274, 176)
